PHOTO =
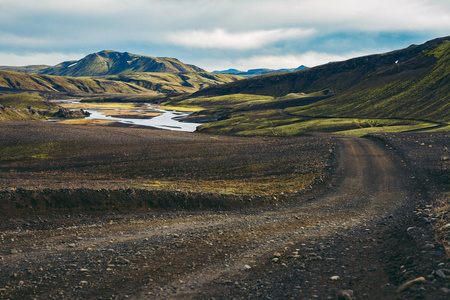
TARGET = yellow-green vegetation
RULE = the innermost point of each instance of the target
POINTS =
(131, 113)
(444, 128)
(109, 62)
(225, 101)
(34, 151)
(87, 122)
(410, 86)
(267, 185)
(101, 105)
(273, 123)
(178, 83)
(182, 108)
(22, 100)
(424, 97)
(25, 106)
(249, 121)
(291, 96)
(58, 84)
(14, 114)
(399, 128)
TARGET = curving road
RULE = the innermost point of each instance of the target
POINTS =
(290, 251)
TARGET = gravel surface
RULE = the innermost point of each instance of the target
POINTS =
(360, 238)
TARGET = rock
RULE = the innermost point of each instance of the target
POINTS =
(443, 273)
(445, 290)
(334, 278)
(247, 267)
(407, 284)
(446, 226)
(71, 245)
(275, 259)
(277, 254)
(14, 251)
(346, 295)
(428, 246)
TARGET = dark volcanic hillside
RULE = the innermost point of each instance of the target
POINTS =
(113, 63)
(408, 83)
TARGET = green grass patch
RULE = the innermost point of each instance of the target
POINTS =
(34, 151)
(102, 105)
(182, 108)
(23, 100)
(248, 121)
(265, 185)
(224, 101)
(400, 128)
(272, 123)
(445, 128)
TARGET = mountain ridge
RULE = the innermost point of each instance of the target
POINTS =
(385, 85)
(256, 72)
(108, 62)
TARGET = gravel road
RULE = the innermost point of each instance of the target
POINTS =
(349, 242)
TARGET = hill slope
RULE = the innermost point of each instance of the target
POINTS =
(111, 63)
(136, 83)
(408, 83)
(16, 82)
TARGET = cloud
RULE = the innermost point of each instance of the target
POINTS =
(222, 39)
(32, 58)
(195, 29)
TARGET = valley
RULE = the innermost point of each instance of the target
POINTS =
(328, 182)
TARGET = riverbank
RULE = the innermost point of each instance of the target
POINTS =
(130, 114)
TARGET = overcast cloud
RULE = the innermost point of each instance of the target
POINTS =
(217, 34)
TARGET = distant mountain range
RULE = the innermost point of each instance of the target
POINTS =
(109, 63)
(257, 72)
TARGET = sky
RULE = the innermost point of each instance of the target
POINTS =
(217, 34)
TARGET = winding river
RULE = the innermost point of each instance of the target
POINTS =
(146, 115)
(169, 120)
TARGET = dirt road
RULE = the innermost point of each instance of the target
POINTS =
(351, 237)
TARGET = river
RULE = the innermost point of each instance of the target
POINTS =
(146, 115)
(168, 120)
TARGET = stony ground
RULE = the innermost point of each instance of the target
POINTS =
(366, 235)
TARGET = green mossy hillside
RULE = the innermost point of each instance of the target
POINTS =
(14, 81)
(412, 83)
(425, 96)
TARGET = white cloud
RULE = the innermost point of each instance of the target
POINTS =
(188, 29)
(222, 39)
(54, 58)
(367, 15)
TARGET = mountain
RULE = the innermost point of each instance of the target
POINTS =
(410, 83)
(33, 69)
(135, 83)
(110, 63)
(18, 82)
(257, 72)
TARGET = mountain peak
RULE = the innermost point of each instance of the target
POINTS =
(110, 62)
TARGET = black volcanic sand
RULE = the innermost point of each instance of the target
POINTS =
(80, 218)
(50, 166)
